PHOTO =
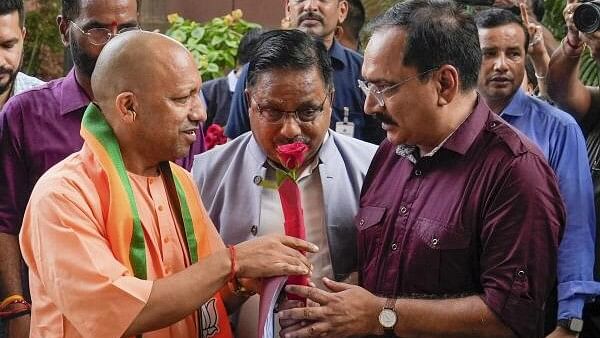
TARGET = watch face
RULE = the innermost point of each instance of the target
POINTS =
(576, 325)
(387, 318)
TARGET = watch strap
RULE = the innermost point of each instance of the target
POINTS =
(572, 324)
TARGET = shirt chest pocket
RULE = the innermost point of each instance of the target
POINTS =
(369, 224)
(439, 255)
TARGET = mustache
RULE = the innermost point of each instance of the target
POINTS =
(301, 139)
(4, 70)
(310, 16)
(382, 117)
(500, 77)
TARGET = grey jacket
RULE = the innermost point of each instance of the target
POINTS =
(225, 178)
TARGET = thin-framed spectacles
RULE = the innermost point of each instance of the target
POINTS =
(100, 36)
(379, 94)
(275, 116)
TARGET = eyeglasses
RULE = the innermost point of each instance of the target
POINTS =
(298, 2)
(379, 94)
(278, 116)
(100, 36)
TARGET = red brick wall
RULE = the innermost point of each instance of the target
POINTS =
(268, 13)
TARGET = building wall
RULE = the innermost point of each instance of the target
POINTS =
(267, 13)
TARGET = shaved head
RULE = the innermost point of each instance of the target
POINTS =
(133, 61)
(147, 86)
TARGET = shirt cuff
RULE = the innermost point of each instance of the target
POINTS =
(571, 308)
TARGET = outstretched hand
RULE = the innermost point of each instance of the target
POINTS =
(273, 255)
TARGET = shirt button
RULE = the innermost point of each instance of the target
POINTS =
(492, 124)
(521, 274)
(403, 210)
(257, 180)
(418, 172)
(394, 246)
(362, 222)
(253, 230)
(435, 241)
(160, 208)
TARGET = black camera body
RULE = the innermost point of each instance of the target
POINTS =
(587, 16)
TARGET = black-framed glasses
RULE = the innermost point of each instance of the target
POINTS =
(100, 36)
(379, 94)
(326, 2)
(275, 116)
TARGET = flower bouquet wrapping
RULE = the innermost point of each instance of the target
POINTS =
(292, 157)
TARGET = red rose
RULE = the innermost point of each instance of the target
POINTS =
(215, 135)
(292, 155)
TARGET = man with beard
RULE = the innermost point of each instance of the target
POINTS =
(40, 127)
(504, 42)
(12, 36)
(460, 215)
(320, 19)
(290, 93)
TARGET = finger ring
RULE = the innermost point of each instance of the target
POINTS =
(306, 313)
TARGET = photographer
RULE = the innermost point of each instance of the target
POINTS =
(567, 90)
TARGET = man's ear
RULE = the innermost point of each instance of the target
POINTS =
(342, 11)
(63, 28)
(447, 84)
(125, 107)
(24, 32)
(287, 8)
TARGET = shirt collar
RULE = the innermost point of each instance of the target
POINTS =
(465, 135)
(232, 80)
(73, 97)
(337, 54)
(461, 139)
(517, 104)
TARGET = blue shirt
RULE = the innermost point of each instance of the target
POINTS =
(346, 71)
(563, 144)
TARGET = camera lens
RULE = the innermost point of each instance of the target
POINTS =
(587, 17)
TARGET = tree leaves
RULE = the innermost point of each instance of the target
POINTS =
(213, 44)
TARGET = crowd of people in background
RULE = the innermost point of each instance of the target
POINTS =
(450, 185)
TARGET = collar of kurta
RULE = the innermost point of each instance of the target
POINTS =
(123, 226)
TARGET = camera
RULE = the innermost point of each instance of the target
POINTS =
(587, 16)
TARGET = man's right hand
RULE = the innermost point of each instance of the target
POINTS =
(572, 31)
(273, 255)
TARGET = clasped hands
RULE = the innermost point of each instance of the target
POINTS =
(342, 311)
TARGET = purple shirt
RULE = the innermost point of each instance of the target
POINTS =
(38, 129)
(482, 216)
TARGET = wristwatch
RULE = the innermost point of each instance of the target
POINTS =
(388, 316)
(572, 324)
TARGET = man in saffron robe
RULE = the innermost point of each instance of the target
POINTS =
(116, 238)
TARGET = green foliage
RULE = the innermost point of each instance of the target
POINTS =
(42, 33)
(213, 44)
(589, 72)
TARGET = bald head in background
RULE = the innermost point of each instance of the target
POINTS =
(147, 85)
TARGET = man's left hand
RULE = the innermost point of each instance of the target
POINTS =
(561, 332)
(347, 310)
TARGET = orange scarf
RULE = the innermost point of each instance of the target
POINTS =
(123, 226)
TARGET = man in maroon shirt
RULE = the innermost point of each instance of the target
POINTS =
(460, 215)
